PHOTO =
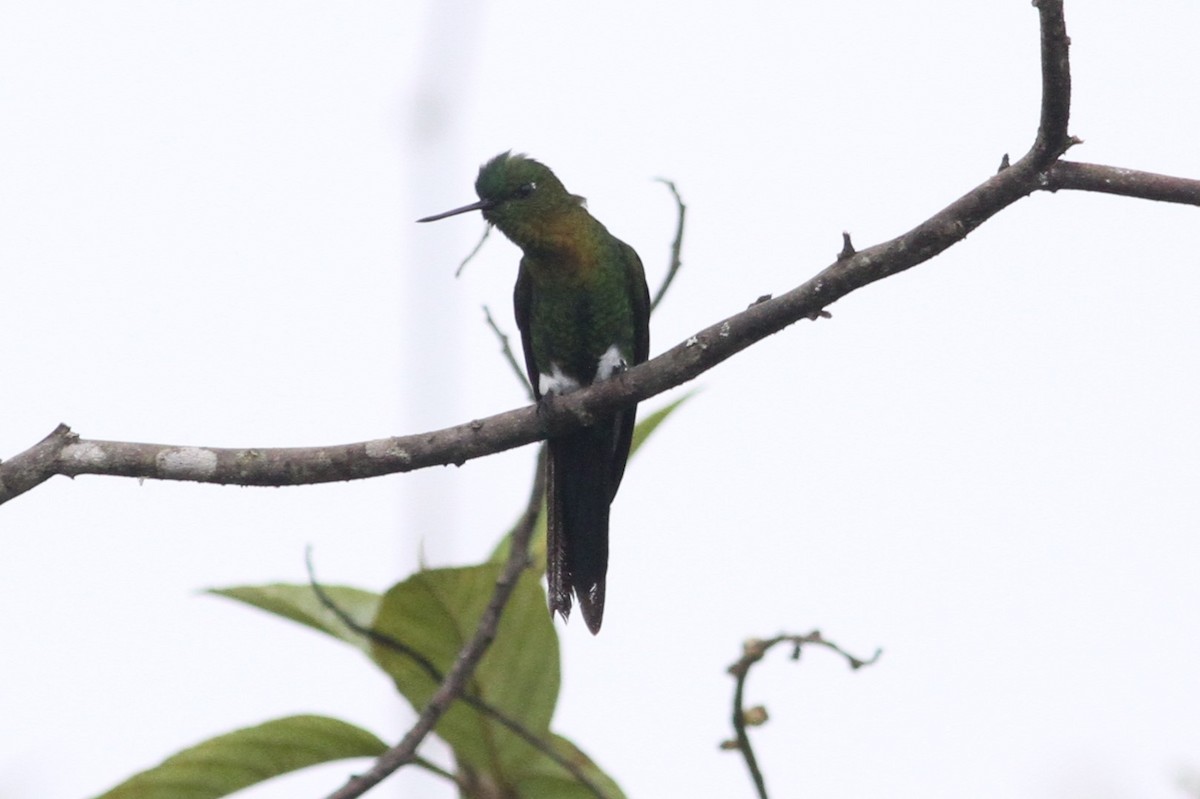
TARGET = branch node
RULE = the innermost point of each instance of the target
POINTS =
(755, 716)
(848, 250)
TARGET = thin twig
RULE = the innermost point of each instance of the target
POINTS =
(676, 245)
(537, 499)
(471, 255)
(426, 665)
(394, 644)
(742, 738)
(752, 652)
(434, 768)
(506, 349)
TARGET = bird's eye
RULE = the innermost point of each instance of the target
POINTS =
(526, 190)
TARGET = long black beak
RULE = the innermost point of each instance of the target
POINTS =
(482, 205)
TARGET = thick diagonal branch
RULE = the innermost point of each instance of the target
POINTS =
(63, 453)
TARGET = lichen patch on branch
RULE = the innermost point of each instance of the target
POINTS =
(187, 462)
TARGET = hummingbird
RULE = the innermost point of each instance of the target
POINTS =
(583, 309)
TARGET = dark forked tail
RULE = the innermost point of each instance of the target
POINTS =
(583, 471)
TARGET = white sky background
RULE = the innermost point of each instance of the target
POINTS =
(986, 466)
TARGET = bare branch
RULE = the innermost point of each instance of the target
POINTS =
(1052, 137)
(35, 465)
(1039, 170)
(1125, 182)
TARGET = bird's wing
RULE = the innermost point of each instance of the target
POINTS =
(522, 294)
(640, 293)
(626, 419)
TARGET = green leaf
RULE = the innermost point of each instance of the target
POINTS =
(545, 779)
(246, 757)
(537, 545)
(300, 603)
(434, 612)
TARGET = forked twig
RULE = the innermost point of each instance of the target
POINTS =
(753, 651)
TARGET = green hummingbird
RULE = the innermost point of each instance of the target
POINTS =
(583, 310)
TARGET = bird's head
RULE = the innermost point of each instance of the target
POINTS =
(515, 191)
